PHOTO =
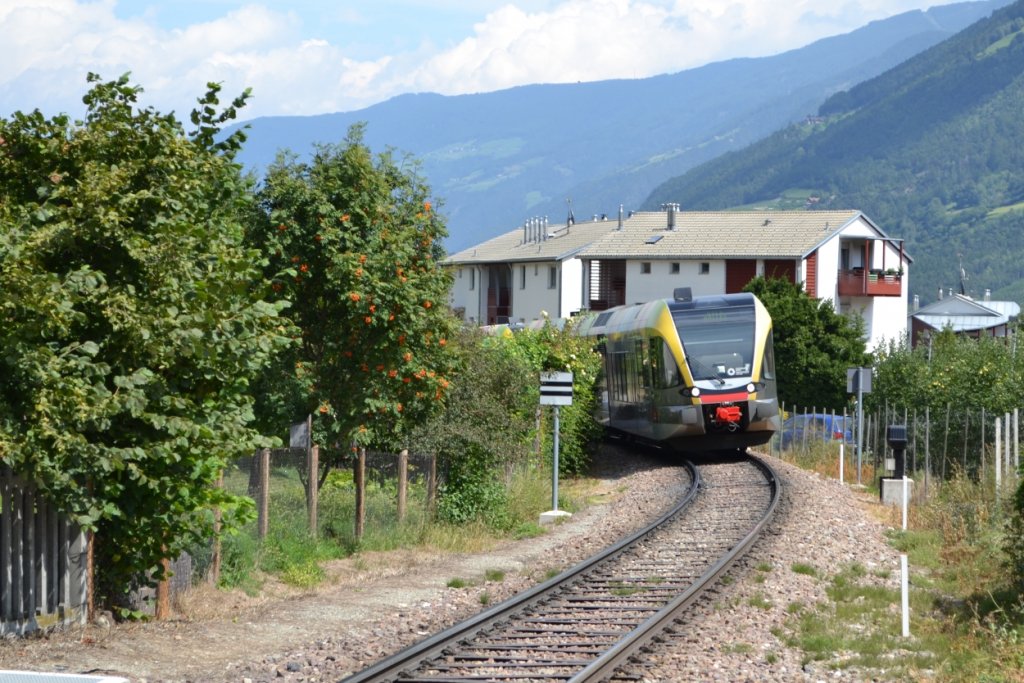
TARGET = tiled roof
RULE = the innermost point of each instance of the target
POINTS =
(562, 243)
(721, 234)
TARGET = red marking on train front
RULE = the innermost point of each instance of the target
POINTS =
(725, 398)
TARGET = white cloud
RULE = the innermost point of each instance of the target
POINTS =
(596, 39)
(49, 45)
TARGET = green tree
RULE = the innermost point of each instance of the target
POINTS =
(485, 431)
(814, 345)
(129, 323)
(352, 241)
(554, 349)
(488, 427)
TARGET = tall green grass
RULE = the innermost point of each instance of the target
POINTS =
(967, 622)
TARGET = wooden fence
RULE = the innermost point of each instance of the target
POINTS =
(42, 561)
(395, 466)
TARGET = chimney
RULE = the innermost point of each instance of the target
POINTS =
(671, 209)
(526, 231)
(917, 302)
(543, 228)
(620, 217)
(940, 293)
(988, 295)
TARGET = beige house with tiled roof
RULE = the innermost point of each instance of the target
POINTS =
(838, 255)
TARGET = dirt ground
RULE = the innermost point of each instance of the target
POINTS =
(216, 634)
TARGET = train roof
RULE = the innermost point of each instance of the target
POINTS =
(622, 317)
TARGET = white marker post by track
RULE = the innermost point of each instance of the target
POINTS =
(555, 391)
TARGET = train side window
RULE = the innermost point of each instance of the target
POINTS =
(673, 377)
(664, 369)
(643, 363)
(654, 354)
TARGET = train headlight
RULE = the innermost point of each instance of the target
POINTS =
(695, 392)
(751, 388)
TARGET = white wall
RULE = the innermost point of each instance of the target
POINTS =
(461, 295)
(659, 283)
(536, 296)
(572, 287)
(828, 270)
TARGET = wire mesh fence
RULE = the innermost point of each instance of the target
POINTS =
(351, 495)
(941, 443)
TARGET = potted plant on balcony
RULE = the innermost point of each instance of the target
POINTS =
(893, 274)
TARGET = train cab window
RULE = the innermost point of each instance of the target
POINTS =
(768, 366)
(718, 341)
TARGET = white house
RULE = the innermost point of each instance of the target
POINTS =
(837, 255)
(515, 276)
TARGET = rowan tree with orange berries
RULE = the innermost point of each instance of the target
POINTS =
(353, 243)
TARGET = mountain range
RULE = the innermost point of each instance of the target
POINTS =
(496, 159)
(932, 150)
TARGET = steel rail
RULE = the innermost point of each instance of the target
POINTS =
(390, 667)
(604, 666)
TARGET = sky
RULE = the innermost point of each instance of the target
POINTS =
(302, 57)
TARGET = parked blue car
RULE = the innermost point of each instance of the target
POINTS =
(818, 427)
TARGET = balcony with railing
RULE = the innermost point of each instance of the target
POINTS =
(860, 282)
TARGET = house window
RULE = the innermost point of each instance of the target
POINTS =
(674, 269)
(705, 268)
(522, 277)
(645, 267)
(552, 278)
(472, 278)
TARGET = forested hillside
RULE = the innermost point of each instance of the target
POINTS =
(932, 150)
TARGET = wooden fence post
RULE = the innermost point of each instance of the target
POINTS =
(163, 591)
(312, 490)
(263, 492)
(945, 443)
(359, 478)
(403, 482)
(431, 483)
(214, 575)
(927, 448)
(984, 470)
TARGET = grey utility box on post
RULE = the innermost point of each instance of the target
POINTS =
(893, 489)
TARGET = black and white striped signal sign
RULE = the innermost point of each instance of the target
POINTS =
(556, 388)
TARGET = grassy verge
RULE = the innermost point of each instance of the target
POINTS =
(966, 624)
(293, 555)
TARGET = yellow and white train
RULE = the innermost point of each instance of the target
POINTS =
(689, 373)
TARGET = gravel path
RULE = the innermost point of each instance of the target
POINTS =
(376, 604)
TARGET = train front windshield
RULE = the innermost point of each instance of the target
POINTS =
(718, 340)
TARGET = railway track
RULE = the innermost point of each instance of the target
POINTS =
(586, 623)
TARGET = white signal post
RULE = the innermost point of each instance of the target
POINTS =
(555, 391)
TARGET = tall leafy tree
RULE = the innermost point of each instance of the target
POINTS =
(129, 324)
(814, 345)
(353, 242)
